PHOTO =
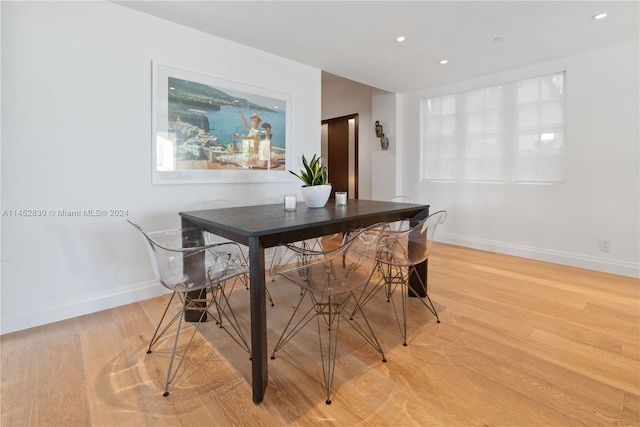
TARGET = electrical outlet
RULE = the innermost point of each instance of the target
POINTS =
(605, 245)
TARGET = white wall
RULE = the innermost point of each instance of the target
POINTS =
(384, 184)
(76, 134)
(343, 97)
(557, 223)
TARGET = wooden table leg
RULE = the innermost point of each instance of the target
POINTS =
(259, 367)
(415, 285)
(194, 266)
(414, 281)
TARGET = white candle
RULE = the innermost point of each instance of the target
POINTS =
(341, 198)
(290, 202)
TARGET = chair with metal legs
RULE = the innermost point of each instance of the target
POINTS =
(404, 224)
(237, 253)
(329, 278)
(397, 259)
(197, 275)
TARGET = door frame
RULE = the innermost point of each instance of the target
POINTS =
(354, 138)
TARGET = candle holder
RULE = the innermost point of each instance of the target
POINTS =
(290, 202)
(341, 198)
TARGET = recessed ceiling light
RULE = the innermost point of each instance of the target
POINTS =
(444, 61)
(600, 16)
(400, 38)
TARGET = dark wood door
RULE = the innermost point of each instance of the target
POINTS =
(341, 142)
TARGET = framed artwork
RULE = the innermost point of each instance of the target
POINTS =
(209, 129)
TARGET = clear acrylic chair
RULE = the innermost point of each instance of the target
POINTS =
(197, 275)
(397, 259)
(237, 253)
(404, 224)
(329, 278)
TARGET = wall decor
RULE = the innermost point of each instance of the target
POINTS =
(209, 129)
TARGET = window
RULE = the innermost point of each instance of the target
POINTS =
(512, 132)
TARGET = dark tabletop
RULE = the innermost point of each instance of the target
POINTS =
(266, 221)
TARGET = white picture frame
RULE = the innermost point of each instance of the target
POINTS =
(201, 129)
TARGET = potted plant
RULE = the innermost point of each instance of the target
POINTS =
(316, 189)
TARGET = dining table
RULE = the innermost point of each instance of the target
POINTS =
(264, 226)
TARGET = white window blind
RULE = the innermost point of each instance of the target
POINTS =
(512, 132)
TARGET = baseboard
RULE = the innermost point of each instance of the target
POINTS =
(606, 265)
(54, 311)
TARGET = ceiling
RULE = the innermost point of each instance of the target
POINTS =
(357, 39)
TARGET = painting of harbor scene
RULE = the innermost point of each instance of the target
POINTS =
(207, 127)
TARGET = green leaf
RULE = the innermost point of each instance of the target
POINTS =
(313, 173)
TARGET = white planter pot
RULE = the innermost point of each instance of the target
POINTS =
(316, 196)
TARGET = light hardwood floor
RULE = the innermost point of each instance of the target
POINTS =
(521, 343)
